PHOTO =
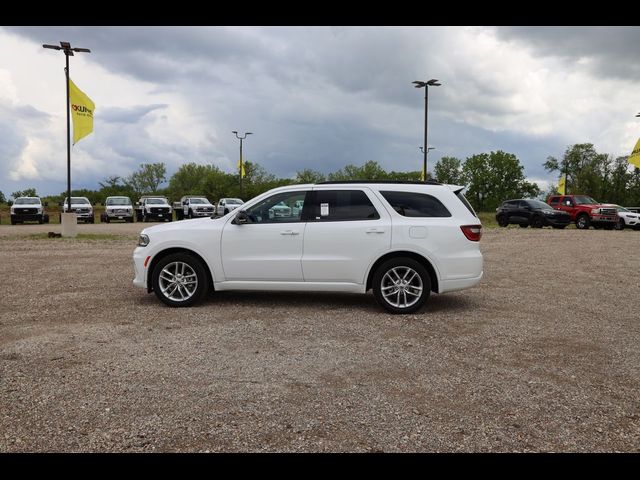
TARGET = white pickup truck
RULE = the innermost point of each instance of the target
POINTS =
(30, 209)
(81, 206)
(193, 207)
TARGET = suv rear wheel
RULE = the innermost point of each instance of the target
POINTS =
(502, 221)
(179, 280)
(401, 285)
(537, 222)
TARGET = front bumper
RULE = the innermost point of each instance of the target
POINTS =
(159, 216)
(116, 215)
(140, 255)
(557, 220)
(604, 219)
(201, 213)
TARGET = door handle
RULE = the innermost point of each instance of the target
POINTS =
(289, 232)
(374, 230)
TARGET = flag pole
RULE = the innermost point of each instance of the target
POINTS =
(66, 71)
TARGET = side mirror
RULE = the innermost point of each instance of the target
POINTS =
(241, 218)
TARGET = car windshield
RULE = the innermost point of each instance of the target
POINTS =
(199, 200)
(155, 201)
(584, 200)
(622, 209)
(27, 201)
(78, 200)
(235, 201)
(538, 204)
(118, 201)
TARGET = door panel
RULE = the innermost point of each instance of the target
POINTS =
(341, 251)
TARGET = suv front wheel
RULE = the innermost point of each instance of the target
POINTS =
(179, 280)
(401, 285)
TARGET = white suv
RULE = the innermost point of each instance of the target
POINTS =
(401, 239)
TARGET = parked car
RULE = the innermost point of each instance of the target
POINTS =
(28, 209)
(191, 206)
(401, 239)
(627, 218)
(226, 205)
(280, 210)
(525, 212)
(150, 208)
(81, 206)
(585, 211)
(117, 208)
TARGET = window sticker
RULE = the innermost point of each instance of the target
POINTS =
(324, 209)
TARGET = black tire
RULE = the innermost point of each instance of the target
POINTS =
(190, 214)
(46, 218)
(502, 221)
(537, 222)
(401, 267)
(171, 262)
(13, 221)
(40, 221)
(583, 222)
(523, 225)
(620, 225)
(226, 210)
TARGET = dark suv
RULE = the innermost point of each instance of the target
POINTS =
(527, 212)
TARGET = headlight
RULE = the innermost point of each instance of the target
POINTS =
(12, 211)
(143, 240)
(595, 210)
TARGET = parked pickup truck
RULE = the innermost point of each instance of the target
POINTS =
(81, 206)
(192, 206)
(117, 208)
(585, 211)
(28, 209)
(153, 207)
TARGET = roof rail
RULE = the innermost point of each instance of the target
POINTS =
(408, 182)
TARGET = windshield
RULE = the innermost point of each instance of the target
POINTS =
(584, 200)
(155, 201)
(27, 201)
(622, 209)
(199, 200)
(80, 200)
(235, 201)
(118, 201)
(538, 204)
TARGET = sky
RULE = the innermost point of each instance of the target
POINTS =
(314, 97)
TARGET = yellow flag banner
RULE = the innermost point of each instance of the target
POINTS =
(241, 168)
(634, 158)
(81, 112)
(562, 185)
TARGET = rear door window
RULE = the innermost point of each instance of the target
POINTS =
(342, 205)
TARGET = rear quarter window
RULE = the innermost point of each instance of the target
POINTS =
(411, 204)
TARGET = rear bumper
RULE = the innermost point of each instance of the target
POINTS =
(459, 283)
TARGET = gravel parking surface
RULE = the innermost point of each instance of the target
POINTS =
(544, 355)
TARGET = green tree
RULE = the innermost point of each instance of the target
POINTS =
(148, 178)
(115, 186)
(309, 176)
(29, 192)
(188, 180)
(449, 170)
(2, 197)
(371, 170)
(495, 177)
(585, 169)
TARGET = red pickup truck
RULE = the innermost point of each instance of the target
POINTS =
(585, 211)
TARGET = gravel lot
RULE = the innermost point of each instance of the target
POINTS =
(544, 355)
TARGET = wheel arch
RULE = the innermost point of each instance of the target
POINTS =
(162, 254)
(433, 276)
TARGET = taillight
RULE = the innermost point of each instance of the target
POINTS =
(472, 232)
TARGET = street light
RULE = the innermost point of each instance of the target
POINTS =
(68, 52)
(241, 163)
(418, 84)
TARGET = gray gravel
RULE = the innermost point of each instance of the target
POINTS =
(543, 355)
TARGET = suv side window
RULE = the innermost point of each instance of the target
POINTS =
(279, 208)
(554, 200)
(342, 205)
(410, 204)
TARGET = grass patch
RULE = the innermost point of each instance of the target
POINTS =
(488, 219)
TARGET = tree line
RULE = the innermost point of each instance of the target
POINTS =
(490, 177)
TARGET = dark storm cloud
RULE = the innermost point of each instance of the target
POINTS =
(613, 51)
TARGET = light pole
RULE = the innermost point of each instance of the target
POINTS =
(418, 84)
(428, 149)
(241, 163)
(68, 52)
